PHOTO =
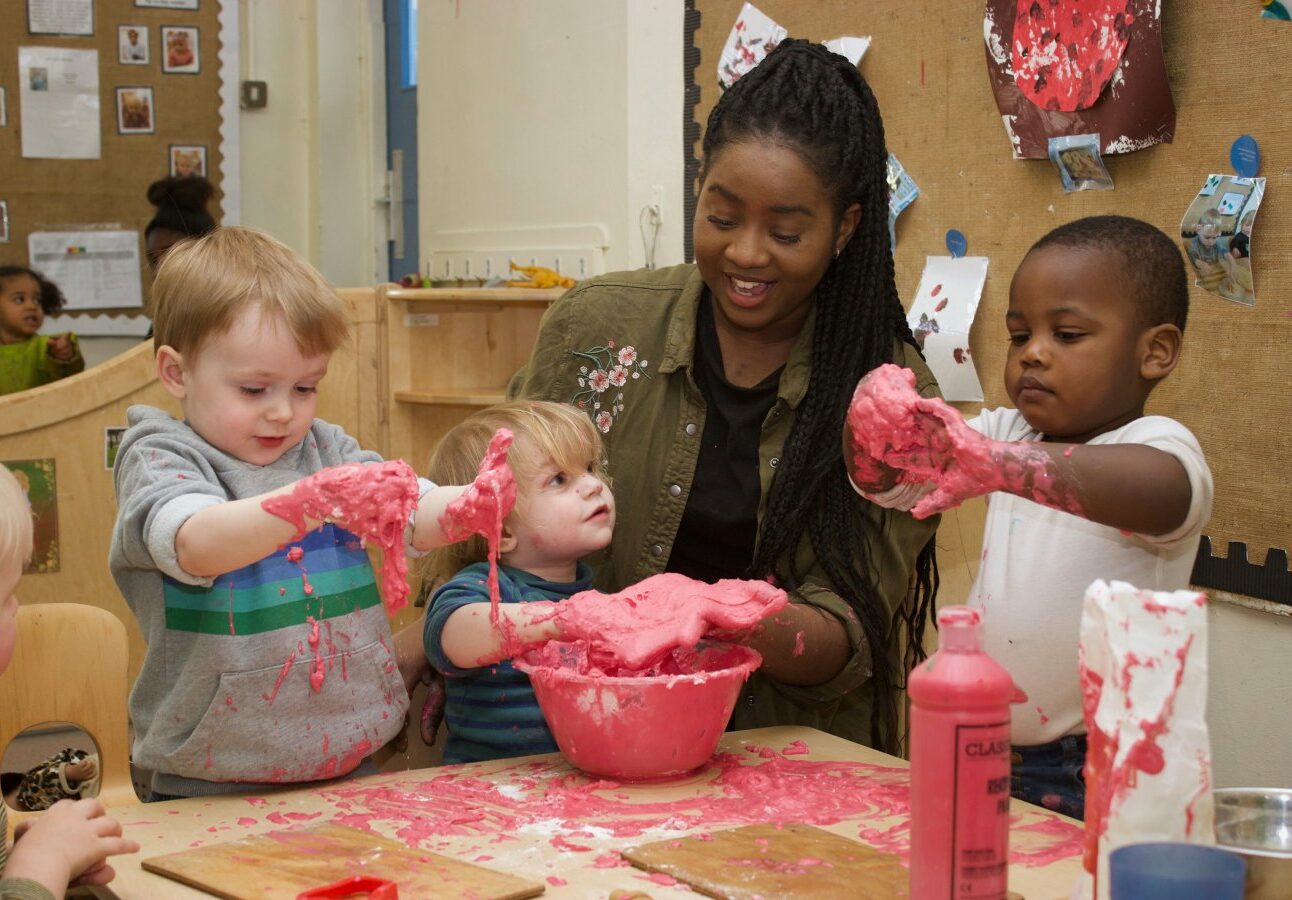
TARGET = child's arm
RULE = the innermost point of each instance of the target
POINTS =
(470, 640)
(222, 537)
(71, 840)
(446, 515)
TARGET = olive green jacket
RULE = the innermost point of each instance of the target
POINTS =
(621, 346)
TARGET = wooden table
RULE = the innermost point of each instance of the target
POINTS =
(538, 818)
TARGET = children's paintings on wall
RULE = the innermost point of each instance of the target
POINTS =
(1080, 166)
(1113, 84)
(40, 483)
(752, 37)
(941, 317)
(1216, 232)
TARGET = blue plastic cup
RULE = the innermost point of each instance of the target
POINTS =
(1170, 871)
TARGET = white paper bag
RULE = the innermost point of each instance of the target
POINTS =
(1144, 680)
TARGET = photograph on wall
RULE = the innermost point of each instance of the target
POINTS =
(135, 110)
(1076, 156)
(69, 17)
(132, 45)
(58, 93)
(111, 444)
(187, 160)
(752, 37)
(1216, 232)
(39, 483)
(167, 4)
(179, 46)
(4, 221)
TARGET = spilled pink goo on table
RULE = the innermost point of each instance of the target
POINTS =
(481, 509)
(372, 500)
(1143, 680)
(630, 631)
(464, 810)
(893, 427)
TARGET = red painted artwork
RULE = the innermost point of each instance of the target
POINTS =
(1065, 51)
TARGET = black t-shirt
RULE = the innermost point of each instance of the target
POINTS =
(720, 523)
(1238, 245)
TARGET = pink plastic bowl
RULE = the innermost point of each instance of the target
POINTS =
(639, 727)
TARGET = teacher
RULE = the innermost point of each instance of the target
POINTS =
(721, 389)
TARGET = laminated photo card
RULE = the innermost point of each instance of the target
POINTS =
(1080, 166)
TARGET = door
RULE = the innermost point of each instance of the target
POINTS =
(401, 134)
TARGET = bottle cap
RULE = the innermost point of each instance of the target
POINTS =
(959, 629)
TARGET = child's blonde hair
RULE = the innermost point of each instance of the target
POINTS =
(15, 521)
(204, 283)
(542, 431)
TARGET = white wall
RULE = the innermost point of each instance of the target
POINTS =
(542, 117)
(309, 159)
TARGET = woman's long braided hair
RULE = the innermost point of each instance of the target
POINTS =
(804, 97)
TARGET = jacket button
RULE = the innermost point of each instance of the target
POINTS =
(691, 429)
(675, 490)
(657, 550)
(775, 461)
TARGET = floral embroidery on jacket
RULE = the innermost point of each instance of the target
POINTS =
(602, 381)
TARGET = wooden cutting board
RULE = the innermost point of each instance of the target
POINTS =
(771, 862)
(281, 864)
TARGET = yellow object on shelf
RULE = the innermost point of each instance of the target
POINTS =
(539, 277)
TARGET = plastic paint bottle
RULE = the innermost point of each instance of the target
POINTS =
(960, 758)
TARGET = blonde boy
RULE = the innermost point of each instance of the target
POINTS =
(73, 839)
(270, 659)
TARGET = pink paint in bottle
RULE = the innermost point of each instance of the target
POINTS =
(960, 758)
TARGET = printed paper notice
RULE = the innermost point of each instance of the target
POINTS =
(58, 91)
(95, 269)
(60, 17)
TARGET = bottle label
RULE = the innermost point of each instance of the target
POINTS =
(980, 833)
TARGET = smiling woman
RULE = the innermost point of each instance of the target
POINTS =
(721, 389)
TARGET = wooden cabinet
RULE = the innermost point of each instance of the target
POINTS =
(450, 352)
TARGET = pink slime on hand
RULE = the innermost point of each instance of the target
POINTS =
(929, 441)
(373, 500)
(481, 509)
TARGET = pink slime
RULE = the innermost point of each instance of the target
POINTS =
(893, 426)
(373, 500)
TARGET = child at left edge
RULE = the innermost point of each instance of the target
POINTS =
(264, 666)
(564, 511)
(1083, 485)
(29, 359)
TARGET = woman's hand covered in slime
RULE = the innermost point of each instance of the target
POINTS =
(487, 500)
(929, 441)
(638, 626)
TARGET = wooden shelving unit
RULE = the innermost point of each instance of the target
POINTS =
(450, 352)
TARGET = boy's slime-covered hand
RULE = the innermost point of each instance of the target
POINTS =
(487, 500)
(929, 441)
(371, 500)
(635, 628)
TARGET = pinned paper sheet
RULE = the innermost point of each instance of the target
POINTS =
(58, 92)
(1064, 52)
(854, 48)
(1216, 232)
(752, 37)
(902, 191)
(1144, 693)
(95, 269)
(941, 317)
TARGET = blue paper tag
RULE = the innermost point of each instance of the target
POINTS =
(956, 243)
(1245, 156)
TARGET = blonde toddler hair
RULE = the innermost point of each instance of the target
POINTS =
(542, 431)
(15, 521)
(204, 283)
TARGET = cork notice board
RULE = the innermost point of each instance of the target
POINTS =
(1233, 388)
(69, 194)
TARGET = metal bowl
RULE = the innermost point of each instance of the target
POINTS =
(1256, 823)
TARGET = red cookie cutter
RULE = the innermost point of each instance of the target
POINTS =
(366, 885)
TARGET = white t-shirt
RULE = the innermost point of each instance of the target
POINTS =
(1037, 563)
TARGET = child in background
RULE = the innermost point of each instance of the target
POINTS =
(28, 359)
(1096, 318)
(228, 597)
(564, 511)
(1208, 256)
(181, 203)
(1239, 285)
(72, 840)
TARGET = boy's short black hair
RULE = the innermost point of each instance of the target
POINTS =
(1151, 263)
